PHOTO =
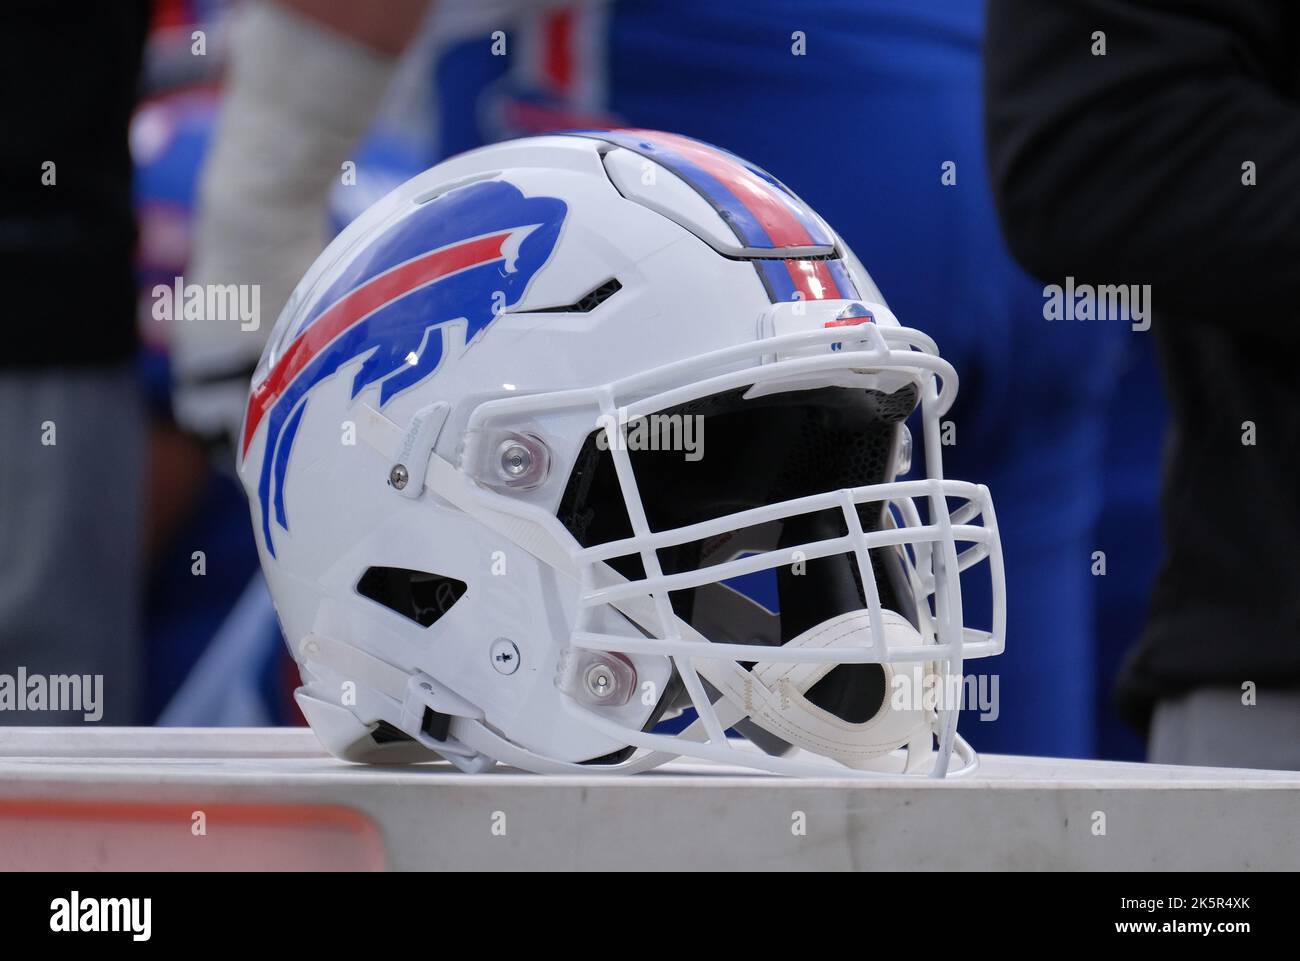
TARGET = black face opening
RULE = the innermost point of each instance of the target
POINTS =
(756, 452)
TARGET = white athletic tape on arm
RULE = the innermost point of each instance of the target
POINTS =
(297, 98)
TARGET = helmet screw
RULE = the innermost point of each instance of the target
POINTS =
(505, 656)
(398, 476)
(516, 460)
(601, 681)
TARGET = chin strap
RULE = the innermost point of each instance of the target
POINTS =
(773, 695)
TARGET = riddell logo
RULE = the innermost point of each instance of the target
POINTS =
(96, 915)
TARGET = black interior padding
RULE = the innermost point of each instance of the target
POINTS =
(757, 452)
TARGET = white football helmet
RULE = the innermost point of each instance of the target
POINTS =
(571, 436)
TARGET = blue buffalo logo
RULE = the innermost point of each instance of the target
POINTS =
(466, 255)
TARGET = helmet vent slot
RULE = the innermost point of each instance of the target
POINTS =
(584, 304)
(418, 596)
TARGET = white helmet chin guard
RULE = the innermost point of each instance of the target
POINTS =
(571, 436)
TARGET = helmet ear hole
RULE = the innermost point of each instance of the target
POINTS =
(419, 596)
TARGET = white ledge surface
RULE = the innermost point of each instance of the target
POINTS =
(129, 798)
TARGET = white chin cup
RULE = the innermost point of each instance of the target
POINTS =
(773, 694)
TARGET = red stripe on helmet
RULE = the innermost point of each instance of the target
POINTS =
(360, 303)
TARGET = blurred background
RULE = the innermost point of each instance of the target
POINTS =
(126, 548)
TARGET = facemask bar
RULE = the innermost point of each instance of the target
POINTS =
(949, 641)
(933, 567)
(949, 529)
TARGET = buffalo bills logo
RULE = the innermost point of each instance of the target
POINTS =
(463, 256)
